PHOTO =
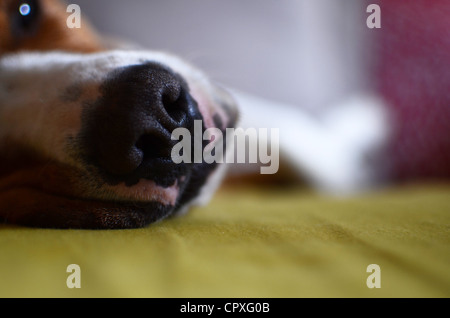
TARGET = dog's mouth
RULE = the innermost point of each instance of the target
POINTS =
(170, 187)
(55, 196)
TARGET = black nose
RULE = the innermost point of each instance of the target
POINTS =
(127, 133)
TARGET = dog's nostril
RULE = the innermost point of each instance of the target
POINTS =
(175, 108)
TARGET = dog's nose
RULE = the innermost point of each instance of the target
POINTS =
(128, 131)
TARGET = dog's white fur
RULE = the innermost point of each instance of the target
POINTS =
(335, 151)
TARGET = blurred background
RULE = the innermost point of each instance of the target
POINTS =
(313, 54)
(284, 50)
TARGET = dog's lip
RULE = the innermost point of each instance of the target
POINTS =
(49, 210)
(49, 194)
(75, 184)
(126, 202)
(145, 191)
(161, 176)
(162, 168)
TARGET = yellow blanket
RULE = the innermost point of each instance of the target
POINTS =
(248, 243)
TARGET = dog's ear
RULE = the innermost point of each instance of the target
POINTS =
(43, 25)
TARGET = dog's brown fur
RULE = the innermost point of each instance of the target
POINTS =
(52, 33)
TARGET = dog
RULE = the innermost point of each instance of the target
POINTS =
(85, 124)
(85, 132)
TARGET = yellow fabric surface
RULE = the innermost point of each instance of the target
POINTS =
(248, 243)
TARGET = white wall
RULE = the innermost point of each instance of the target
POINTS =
(301, 52)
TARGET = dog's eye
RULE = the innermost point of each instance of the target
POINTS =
(25, 17)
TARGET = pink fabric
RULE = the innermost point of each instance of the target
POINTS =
(414, 77)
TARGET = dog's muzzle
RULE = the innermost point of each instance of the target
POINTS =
(97, 131)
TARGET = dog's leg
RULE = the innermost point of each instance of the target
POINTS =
(333, 151)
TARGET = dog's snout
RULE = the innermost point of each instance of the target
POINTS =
(128, 131)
